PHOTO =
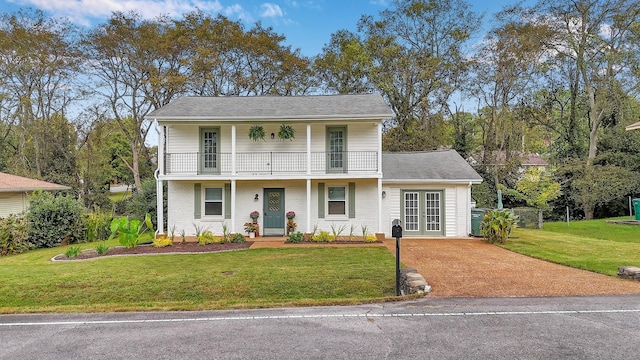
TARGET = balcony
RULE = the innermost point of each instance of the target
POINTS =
(271, 163)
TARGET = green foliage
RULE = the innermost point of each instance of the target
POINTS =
(102, 248)
(143, 201)
(238, 239)
(207, 237)
(54, 219)
(256, 132)
(131, 232)
(98, 226)
(72, 252)
(286, 132)
(597, 184)
(536, 188)
(162, 242)
(295, 237)
(197, 228)
(497, 225)
(14, 235)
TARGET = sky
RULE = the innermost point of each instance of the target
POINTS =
(306, 24)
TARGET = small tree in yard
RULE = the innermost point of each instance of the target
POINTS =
(497, 225)
(54, 219)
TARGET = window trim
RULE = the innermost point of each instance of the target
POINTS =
(344, 152)
(345, 200)
(205, 201)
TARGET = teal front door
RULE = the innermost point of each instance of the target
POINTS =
(273, 206)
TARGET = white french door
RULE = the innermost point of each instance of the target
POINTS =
(422, 211)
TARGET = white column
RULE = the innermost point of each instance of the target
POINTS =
(233, 149)
(308, 229)
(380, 148)
(308, 149)
(232, 229)
(158, 174)
(379, 205)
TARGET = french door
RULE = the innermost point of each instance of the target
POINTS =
(422, 211)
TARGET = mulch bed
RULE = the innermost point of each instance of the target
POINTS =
(149, 249)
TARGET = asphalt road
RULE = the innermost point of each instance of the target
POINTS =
(603, 327)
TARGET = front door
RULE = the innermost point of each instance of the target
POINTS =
(422, 212)
(273, 212)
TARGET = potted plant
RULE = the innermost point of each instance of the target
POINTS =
(256, 132)
(286, 132)
(251, 228)
(254, 215)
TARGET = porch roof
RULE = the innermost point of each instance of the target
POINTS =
(239, 108)
(427, 166)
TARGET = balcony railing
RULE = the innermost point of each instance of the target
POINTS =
(271, 163)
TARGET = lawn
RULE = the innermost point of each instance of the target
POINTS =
(239, 279)
(592, 245)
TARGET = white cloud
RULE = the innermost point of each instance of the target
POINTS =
(379, 2)
(83, 11)
(271, 10)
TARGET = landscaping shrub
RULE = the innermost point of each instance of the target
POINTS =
(497, 225)
(238, 238)
(102, 248)
(54, 219)
(322, 236)
(162, 242)
(370, 238)
(14, 236)
(72, 252)
(207, 237)
(295, 237)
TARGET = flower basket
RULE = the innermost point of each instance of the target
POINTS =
(254, 215)
(291, 215)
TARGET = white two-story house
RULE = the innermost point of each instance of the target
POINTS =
(223, 158)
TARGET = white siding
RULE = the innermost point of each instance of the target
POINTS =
(457, 217)
(13, 203)
(366, 206)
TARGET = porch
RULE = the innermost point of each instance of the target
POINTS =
(272, 162)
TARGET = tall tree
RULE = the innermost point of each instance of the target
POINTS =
(419, 62)
(39, 65)
(140, 66)
(343, 66)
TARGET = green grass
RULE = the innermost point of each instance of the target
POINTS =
(261, 278)
(590, 245)
(117, 196)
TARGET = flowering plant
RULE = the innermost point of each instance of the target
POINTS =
(250, 227)
(291, 226)
(254, 215)
(291, 215)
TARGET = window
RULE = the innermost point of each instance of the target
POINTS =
(213, 201)
(337, 200)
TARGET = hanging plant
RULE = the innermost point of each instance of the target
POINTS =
(287, 132)
(256, 132)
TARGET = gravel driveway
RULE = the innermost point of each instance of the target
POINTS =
(474, 268)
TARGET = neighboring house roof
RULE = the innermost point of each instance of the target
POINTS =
(634, 126)
(428, 166)
(13, 183)
(238, 108)
(526, 159)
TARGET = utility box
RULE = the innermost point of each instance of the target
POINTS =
(476, 221)
(636, 208)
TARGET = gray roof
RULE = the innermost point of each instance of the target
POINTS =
(364, 106)
(435, 166)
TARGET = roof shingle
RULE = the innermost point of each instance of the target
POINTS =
(14, 183)
(435, 166)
